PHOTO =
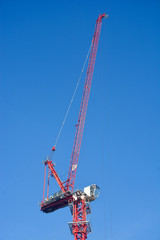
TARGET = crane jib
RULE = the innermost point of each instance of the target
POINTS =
(83, 107)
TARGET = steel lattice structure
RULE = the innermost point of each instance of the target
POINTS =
(84, 105)
(78, 200)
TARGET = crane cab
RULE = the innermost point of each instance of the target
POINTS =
(92, 192)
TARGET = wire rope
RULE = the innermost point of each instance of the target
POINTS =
(107, 167)
(72, 97)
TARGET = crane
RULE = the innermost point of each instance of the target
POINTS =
(78, 200)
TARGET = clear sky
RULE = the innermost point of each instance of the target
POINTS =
(43, 46)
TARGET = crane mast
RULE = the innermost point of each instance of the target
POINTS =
(79, 200)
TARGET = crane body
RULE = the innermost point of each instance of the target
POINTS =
(78, 200)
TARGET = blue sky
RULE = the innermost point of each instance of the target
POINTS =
(43, 48)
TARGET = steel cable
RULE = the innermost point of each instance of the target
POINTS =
(71, 100)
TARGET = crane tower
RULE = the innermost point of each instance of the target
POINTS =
(77, 200)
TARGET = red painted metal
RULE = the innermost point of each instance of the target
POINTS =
(55, 174)
(48, 183)
(83, 107)
(53, 149)
(79, 220)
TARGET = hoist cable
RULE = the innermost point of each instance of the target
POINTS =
(72, 98)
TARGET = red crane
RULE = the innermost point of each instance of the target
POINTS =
(78, 200)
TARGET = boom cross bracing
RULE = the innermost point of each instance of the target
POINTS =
(78, 201)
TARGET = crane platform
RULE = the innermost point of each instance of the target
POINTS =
(60, 200)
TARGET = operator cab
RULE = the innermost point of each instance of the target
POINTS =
(92, 192)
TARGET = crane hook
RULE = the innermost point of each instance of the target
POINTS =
(53, 148)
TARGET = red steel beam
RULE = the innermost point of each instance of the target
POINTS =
(83, 107)
(79, 219)
(53, 171)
